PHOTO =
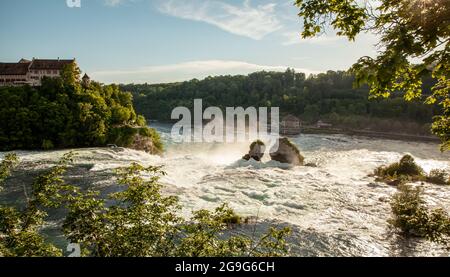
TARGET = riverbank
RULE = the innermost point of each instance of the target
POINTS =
(370, 134)
(342, 131)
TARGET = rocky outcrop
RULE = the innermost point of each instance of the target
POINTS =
(137, 138)
(143, 143)
(256, 152)
(286, 153)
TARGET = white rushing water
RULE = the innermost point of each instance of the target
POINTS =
(335, 209)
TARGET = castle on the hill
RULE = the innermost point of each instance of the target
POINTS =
(27, 72)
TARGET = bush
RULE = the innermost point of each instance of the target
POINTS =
(400, 172)
(407, 170)
(231, 218)
(144, 223)
(122, 136)
(413, 218)
(406, 167)
(20, 228)
(156, 139)
(137, 221)
(6, 166)
(439, 177)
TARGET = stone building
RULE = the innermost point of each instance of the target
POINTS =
(290, 125)
(86, 81)
(27, 72)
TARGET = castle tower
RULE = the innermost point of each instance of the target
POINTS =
(86, 81)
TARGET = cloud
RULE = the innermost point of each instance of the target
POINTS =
(292, 38)
(186, 71)
(244, 20)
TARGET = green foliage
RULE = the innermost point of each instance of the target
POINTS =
(127, 135)
(136, 221)
(156, 137)
(407, 166)
(400, 172)
(347, 17)
(70, 76)
(233, 219)
(122, 135)
(142, 222)
(62, 114)
(412, 217)
(328, 96)
(203, 237)
(409, 30)
(140, 121)
(20, 229)
(439, 177)
(407, 170)
(9, 163)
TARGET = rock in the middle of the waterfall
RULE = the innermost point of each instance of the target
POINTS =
(286, 152)
(256, 152)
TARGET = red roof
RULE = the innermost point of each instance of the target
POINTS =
(50, 64)
(14, 68)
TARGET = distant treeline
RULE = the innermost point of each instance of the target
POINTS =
(328, 96)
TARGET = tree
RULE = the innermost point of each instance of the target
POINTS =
(410, 30)
(144, 223)
(136, 221)
(61, 114)
(6, 166)
(70, 75)
(327, 95)
(20, 228)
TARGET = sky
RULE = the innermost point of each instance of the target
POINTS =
(159, 41)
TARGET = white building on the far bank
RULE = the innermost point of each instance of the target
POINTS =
(27, 72)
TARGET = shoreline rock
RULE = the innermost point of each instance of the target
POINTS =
(136, 138)
(257, 149)
(287, 152)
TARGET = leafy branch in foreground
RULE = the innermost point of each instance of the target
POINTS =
(144, 223)
(413, 218)
(409, 30)
(137, 221)
(204, 236)
(8, 164)
(20, 229)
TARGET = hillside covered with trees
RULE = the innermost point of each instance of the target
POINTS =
(64, 113)
(329, 96)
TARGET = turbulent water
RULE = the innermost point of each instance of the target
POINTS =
(335, 209)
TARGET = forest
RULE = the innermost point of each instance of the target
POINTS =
(64, 113)
(329, 96)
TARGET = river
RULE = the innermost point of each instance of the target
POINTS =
(335, 209)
